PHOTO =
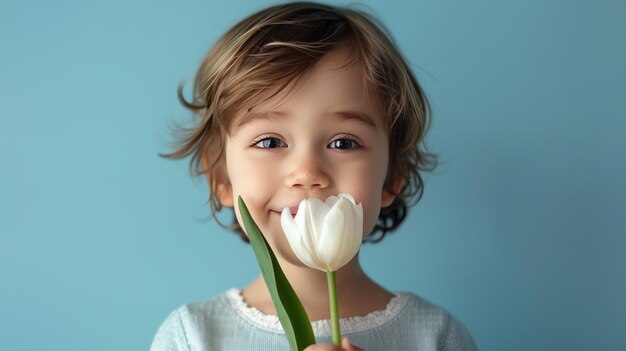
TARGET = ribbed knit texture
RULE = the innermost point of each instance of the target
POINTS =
(226, 323)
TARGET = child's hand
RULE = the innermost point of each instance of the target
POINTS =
(345, 346)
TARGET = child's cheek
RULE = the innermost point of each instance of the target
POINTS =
(370, 215)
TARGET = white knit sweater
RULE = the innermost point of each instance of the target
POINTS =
(226, 323)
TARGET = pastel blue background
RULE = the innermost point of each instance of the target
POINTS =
(520, 232)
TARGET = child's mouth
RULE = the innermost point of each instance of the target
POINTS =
(293, 213)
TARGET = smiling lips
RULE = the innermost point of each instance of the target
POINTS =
(293, 210)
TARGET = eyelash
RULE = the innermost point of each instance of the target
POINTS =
(342, 137)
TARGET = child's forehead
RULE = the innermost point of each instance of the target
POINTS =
(329, 118)
(334, 87)
(282, 113)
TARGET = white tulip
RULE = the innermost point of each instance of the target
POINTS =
(325, 235)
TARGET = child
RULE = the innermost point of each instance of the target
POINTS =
(307, 100)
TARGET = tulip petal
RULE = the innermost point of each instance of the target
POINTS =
(330, 202)
(315, 212)
(357, 212)
(353, 227)
(295, 239)
(307, 229)
(342, 235)
(331, 243)
(305, 232)
(347, 196)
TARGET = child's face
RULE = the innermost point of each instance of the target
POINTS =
(313, 145)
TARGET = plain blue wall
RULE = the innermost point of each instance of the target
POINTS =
(520, 232)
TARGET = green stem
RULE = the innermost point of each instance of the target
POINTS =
(334, 307)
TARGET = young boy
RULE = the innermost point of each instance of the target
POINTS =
(306, 100)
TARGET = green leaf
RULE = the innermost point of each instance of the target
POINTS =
(290, 312)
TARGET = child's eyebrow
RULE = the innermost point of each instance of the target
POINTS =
(277, 115)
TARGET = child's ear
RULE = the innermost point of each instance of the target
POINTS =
(220, 186)
(387, 197)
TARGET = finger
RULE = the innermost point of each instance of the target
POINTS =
(345, 344)
(323, 347)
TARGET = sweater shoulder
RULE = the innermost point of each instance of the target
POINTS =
(192, 326)
(204, 312)
(436, 321)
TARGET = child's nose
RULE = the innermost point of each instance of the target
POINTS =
(307, 178)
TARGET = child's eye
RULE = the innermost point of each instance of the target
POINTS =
(269, 143)
(344, 144)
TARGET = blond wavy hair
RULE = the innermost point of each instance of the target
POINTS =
(269, 50)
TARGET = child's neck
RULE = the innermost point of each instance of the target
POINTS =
(357, 294)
